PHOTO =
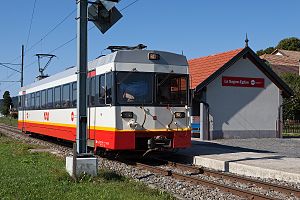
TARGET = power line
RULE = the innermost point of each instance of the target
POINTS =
(31, 20)
(67, 42)
(129, 5)
(47, 34)
(53, 29)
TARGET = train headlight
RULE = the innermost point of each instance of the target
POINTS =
(179, 115)
(127, 114)
(153, 56)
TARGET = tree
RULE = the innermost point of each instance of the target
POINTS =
(268, 50)
(291, 108)
(292, 44)
(6, 104)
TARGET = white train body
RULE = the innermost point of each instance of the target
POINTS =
(134, 102)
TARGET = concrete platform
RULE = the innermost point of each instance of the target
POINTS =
(249, 162)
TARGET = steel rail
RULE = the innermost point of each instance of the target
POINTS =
(234, 178)
(211, 184)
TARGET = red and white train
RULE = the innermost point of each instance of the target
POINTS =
(137, 100)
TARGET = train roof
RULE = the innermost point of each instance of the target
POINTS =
(122, 56)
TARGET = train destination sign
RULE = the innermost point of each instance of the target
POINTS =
(243, 82)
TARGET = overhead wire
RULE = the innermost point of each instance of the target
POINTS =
(47, 34)
(30, 26)
(65, 43)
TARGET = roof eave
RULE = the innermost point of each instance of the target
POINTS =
(287, 91)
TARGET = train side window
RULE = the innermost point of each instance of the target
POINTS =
(88, 80)
(102, 89)
(43, 99)
(66, 102)
(20, 102)
(37, 100)
(50, 98)
(32, 104)
(108, 88)
(92, 91)
(57, 97)
(74, 94)
(97, 90)
(27, 102)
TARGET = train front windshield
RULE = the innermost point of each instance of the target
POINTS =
(151, 88)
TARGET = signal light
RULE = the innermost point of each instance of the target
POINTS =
(179, 115)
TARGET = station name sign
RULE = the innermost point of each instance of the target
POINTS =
(243, 82)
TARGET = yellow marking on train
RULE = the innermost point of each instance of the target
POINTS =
(48, 123)
(100, 128)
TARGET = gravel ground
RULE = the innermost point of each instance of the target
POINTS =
(289, 147)
(180, 189)
(243, 186)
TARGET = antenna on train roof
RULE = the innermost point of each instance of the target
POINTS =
(118, 48)
(42, 69)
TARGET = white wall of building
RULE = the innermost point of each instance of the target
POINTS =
(243, 112)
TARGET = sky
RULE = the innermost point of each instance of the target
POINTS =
(195, 27)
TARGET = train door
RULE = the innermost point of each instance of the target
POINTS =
(22, 112)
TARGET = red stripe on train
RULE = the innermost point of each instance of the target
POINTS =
(113, 140)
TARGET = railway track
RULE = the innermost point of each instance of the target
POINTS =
(193, 171)
(236, 178)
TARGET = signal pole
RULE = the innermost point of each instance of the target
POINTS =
(104, 15)
(82, 20)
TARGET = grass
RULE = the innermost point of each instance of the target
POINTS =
(9, 121)
(291, 135)
(25, 175)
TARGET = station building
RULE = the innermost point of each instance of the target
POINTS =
(236, 95)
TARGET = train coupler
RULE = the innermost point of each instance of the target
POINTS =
(159, 142)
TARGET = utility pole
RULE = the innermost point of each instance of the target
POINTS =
(82, 20)
(22, 67)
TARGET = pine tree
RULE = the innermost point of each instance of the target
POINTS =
(6, 104)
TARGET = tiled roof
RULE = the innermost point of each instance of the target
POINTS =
(279, 69)
(280, 60)
(283, 63)
(201, 68)
(290, 54)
